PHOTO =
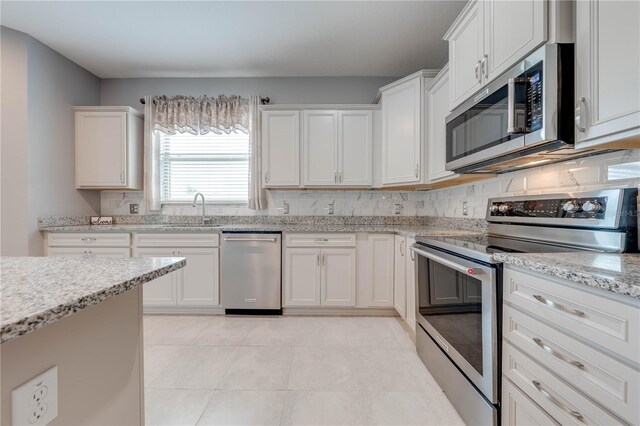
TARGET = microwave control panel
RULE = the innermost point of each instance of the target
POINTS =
(573, 208)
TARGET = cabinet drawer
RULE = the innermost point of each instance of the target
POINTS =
(608, 323)
(557, 398)
(320, 240)
(59, 239)
(518, 409)
(176, 240)
(606, 380)
(89, 251)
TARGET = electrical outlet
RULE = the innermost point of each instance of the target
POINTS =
(134, 208)
(465, 208)
(397, 208)
(36, 401)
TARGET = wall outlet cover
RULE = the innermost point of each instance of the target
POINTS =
(134, 208)
(36, 401)
(465, 208)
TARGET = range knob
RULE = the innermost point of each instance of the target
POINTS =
(591, 206)
(571, 206)
(493, 208)
(505, 208)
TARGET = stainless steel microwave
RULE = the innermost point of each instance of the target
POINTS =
(523, 118)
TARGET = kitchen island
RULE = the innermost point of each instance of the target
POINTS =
(83, 315)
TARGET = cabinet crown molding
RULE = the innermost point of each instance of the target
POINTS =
(92, 108)
(465, 11)
(428, 73)
(278, 107)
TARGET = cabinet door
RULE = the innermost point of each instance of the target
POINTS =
(88, 251)
(437, 111)
(355, 147)
(302, 277)
(320, 151)
(401, 113)
(101, 149)
(607, 71)
(381, 263)
(281, 148)
(161, 291)
(512, 30)
(338, 277)
(465, 54)
(411, 284)
(400, 277)
(198, 283)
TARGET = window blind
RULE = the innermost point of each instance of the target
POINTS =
(215, 165)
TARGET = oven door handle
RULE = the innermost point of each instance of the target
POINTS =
(460, 268)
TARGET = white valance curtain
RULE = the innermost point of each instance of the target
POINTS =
(201, 115)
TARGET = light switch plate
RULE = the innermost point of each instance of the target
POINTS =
(36, 401)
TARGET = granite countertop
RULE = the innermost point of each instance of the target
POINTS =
(404, 230)
(617, 273)
(37, 291)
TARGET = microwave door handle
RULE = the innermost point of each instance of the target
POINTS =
(511, 106)
(460, 268)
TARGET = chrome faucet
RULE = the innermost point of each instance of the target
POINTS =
(195, 200)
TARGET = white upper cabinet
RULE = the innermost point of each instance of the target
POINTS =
(512, 30)
(109, 148)
(437, 111)
(607, 71)
(330, 147)
(488, 38)
(401, 113)
(355, 150)
(281, 148)
(320, 149)
(466, 50)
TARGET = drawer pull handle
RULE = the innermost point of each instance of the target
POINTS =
(557, 403)
(558, 306)
(557, 354)
(88, 239)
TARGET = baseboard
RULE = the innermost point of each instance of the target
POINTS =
(337, 311)
(183, 310)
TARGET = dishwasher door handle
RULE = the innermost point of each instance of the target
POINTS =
(271, 240)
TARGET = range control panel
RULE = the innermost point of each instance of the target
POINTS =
(573, 208)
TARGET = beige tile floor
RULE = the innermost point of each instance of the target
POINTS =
(214, 370)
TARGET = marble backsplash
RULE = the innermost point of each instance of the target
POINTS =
(616, 169)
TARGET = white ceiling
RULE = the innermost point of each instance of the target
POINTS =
(116, 39)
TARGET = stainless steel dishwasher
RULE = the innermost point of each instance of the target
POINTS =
(250, 273)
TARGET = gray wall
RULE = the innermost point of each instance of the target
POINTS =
(40, 176)
(281, 90)
(13, 149)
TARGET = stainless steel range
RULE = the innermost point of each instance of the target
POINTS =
(459, 284)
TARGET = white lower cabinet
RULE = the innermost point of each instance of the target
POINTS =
(324, 277)
(375, 254)
(400, 277)
(559, 361)
(196, 285)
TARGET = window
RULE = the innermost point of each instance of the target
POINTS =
(215, 165)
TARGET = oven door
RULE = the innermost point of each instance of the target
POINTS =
(457, 306)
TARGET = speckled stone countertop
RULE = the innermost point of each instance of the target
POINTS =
(617, 273)
(37, 291)
(404, 230)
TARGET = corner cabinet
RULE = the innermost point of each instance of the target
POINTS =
(607, 72)
(281, 148)
(403, 130)
(488, 38)
(109, 148)
(400, 277)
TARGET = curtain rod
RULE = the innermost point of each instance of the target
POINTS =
(263, 101)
